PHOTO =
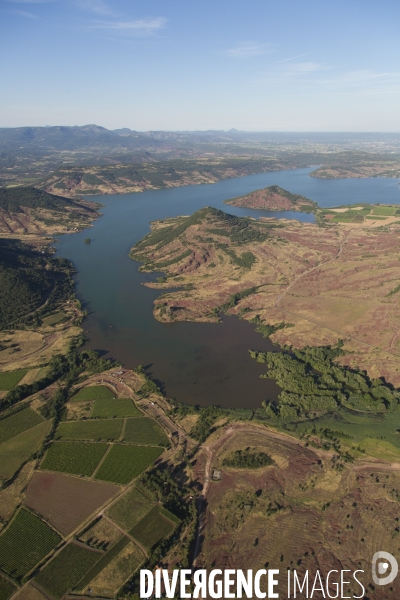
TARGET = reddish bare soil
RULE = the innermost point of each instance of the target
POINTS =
(66, 501)
(272, 198)
(299, 514)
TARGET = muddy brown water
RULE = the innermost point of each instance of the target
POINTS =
(196, 363)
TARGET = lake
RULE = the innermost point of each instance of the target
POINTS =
(196, 363)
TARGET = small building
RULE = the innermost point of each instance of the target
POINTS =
(216, 475)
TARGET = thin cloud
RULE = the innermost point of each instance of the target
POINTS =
(139, 27)
(291, 58)
(247, 49)
(97, 7)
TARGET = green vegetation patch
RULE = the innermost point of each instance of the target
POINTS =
(130, 509)
(10, 379)
(394, 290)
(66, 569)
(93, 392)
(77, 458)
(123, 463)
(121, 407)
(102, 563)
(25, 543)
(144, 431)
(97, 429)
(20, 448)
(247, 459)
(17, 423)
(51, 320)
(152, 528)
(6, 588)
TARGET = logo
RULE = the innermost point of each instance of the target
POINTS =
(383, 562)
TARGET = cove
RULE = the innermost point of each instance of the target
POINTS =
(196, 363)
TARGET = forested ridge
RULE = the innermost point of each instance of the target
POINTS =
(29, 279)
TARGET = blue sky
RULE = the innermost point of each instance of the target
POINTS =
(184, 64)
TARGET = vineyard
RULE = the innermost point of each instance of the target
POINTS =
(10, 379)
(123, 463)
(123, 407)
(6, 589)
(102, 563)
(20, 448)
(152, 529)
(17, 423)
(93, 392)
(97, 429)
(25, 543)
(66, 569)
(76, 458)
(144, 431)
(129, 509)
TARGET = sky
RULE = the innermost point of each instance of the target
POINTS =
(255, 65)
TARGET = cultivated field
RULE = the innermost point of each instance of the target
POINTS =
(25, 543)
(97, 429)
(6, 588)
(20, 448)
(107, 583)
(66, 569)
(101, 535)
(144, 431)
(8, 380)
(152, 528)
(130, 509)
(77, 458)
(121, 407)
(124, 463)
(93, 392)
(66, 501)
(105, 560)
(18, 422)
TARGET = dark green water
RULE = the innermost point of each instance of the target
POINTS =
(197, 363)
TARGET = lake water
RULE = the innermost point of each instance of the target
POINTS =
(197, 363)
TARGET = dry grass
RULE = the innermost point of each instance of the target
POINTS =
(103, 531)
(13, 495)
(29, 592)
(108, 582)
(302, 514)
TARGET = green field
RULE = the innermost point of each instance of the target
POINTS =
(18, 423)
(66, 569)
(384, 210)
(102, 563)
(20, 448)
(97, 429)
(25, 543)
(121, 407)
(144, 431)
(132, 507)
(6, 589)
(51, 320)
(123, 463)
(10, 379)
(93, 392)
(77, 458)
(152, 529)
